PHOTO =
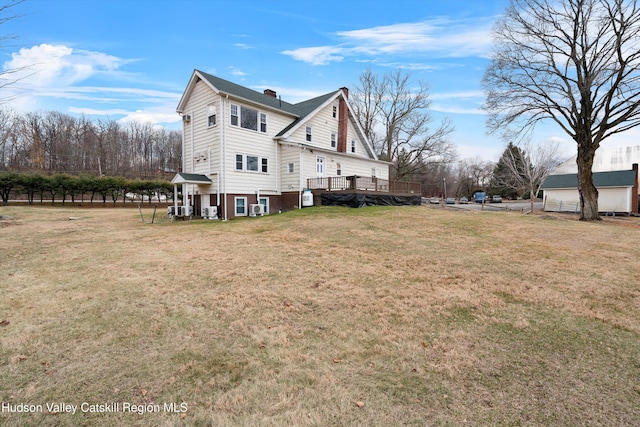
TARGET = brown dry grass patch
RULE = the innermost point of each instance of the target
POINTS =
(425, 316)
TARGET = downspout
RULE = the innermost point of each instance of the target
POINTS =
(301, 178)
(192, 144)
(223, 163)
(185, 187)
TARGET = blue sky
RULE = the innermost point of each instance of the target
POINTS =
(131, 59)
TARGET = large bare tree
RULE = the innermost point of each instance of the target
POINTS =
(575, 62)
(395, 117)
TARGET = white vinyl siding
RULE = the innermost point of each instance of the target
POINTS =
(200, 148)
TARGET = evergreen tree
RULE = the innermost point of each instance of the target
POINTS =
(503, 182)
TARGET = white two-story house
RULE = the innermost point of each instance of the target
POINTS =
(242, 147)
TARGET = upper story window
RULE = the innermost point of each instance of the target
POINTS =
(335, 111)
(247, 118)
(353, 146)
(308, 132)
(239, 162)
(234, 115)
(333, 140)
(263, 122)
(211, 115)
(290, 167)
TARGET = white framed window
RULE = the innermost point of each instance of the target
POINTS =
(248, 118)
(240, 206)
(291, 168)
(234, 115)
(308, 133)
(335, 111)
(263, 122)
(338, 169)
(211, 115)
(353, 146)
(264, 201)
(373, 172)
(333, 140)
(252, 163)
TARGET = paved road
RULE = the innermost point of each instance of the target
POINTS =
(512, 206)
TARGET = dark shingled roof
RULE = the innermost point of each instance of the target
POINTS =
(624, 178)
(194, 177)
(300, 110)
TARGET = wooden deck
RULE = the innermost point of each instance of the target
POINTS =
(355, 183)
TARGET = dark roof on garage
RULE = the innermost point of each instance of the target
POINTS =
(600, 180)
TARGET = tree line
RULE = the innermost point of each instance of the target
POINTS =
(78, 189)
(54, 142)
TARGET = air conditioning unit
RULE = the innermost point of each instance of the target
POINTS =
(256, 210)
(210, 212)
(171, 211)
(186, 118)
(187, 210)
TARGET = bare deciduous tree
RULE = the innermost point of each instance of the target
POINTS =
(9, 76)
(575, 62)
(529, 170)
(396, 109)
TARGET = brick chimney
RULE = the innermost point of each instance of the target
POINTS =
(634, 192)
(269, 92)
(343, 121)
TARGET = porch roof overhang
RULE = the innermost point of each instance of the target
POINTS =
(191, 178)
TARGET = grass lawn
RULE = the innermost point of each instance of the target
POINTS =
(326, 316)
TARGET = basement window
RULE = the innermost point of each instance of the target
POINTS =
(241, 206)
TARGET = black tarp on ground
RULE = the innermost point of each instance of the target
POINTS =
(359, 200)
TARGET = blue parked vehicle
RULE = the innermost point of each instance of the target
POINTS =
(479, 197)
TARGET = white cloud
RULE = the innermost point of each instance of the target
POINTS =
(46, 65)
(320, 55)
(48, 73)
(237, 72)
(151, 116)
(440, 37)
